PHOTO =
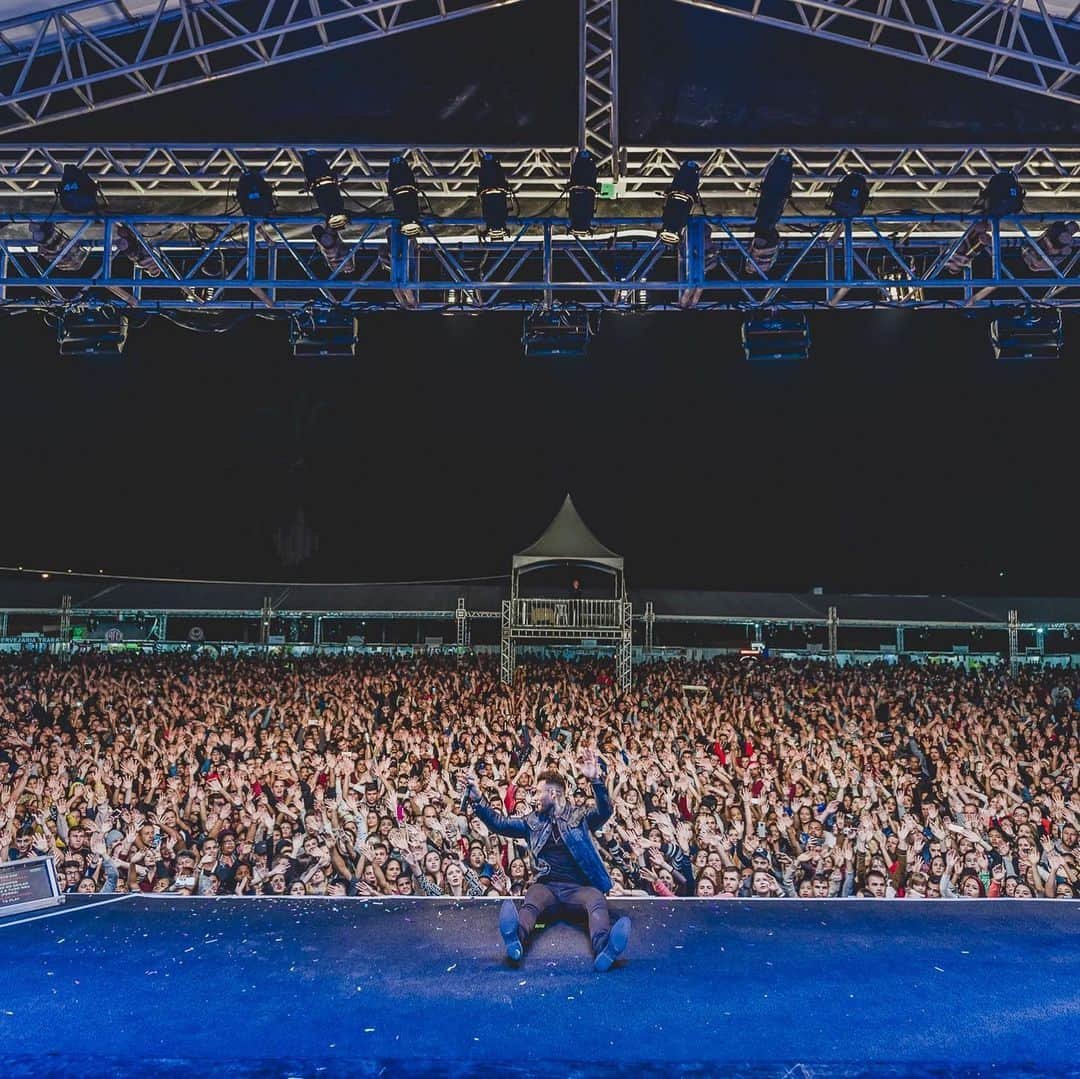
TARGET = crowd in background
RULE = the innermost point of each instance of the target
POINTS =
(342, 776)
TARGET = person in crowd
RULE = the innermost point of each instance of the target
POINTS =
(337, 776)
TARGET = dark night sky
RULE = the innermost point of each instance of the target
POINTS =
(902, 457)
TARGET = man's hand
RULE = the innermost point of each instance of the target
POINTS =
(590, 765)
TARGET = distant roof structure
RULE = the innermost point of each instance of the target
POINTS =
(568, 539)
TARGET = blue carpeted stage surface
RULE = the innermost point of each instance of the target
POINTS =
(404, 988)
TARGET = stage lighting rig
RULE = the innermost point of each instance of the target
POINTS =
(557, 331)
(1001, 195)
(323, 331)
(1053, 248)
(128, 244)
(405, 195)
(51, 240)
(679, 203)
(584, 190)
(255, 195)
(325, 189)
(1033, 334)
(772, 197)
(850, 195)
(494, 196)
(77, 192)
(91, 330)
(332, 248)
(776, 336)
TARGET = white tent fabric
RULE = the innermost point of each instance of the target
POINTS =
(568, 539)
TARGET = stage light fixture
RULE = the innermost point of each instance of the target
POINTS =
(494, 196)
(1035, 333)
(51, 240)
(255, 195)
(323, 331)
(332, 248)
(1052, 248)
(1001, 195)
(776, 336)
(584, 190)
(850, 195)
(405, 195)
(772, 198)
(557, 331)
(91, 330)
(77, 191)
(679, 203)
(325, 189)
(128, 244)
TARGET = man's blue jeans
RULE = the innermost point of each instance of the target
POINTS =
(552, 900)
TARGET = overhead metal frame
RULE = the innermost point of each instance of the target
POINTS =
(54, 64)
(1009, 42)
(598, 83)
(207, 264)
(180, 177)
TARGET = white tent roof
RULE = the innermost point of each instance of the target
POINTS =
(568, 539)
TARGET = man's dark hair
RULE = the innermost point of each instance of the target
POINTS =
(551, 776)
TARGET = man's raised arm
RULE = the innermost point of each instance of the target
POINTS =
(514, 827)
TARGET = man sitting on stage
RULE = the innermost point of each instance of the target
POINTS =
(570, 875)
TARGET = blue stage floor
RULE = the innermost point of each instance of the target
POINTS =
(403, 988)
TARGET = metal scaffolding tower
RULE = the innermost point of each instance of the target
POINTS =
(598, 83)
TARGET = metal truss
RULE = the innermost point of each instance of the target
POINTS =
(598, 83)
(57, 63)
(1016, 43)
(200, 267)
(178, 177)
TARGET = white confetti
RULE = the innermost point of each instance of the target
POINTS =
(61, 940)
(369, 1030)
(522, 983)
(940, 969)
(453, 966)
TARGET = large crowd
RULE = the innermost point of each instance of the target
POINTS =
(343, 776)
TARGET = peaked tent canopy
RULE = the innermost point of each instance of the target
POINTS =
(568, 539)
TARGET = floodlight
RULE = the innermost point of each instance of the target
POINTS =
(255, 195)
(324, 187)
(401, 182)
(332, 248)
(494, 196)
(679, 203)
(850, 195)
(1052, 248)
(773, 194)
(584, 189)
(77, 191)
(1001, 195)
(51, 240)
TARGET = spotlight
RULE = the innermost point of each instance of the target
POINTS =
(77, 192)
(91, 330)
(494, 196)
(772, 197)
(557, 331)
(405, 195)
(1052, 248)
(333, 248)
(324, 187)
(1033, 334)
(130, 246)
(323, 331)
(679, 203)
(584, 189)
(850, 195)
(776, 336)
(255, 195)
(51, 240)
(1001, 195)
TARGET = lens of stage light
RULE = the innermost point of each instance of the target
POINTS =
(324, 187)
